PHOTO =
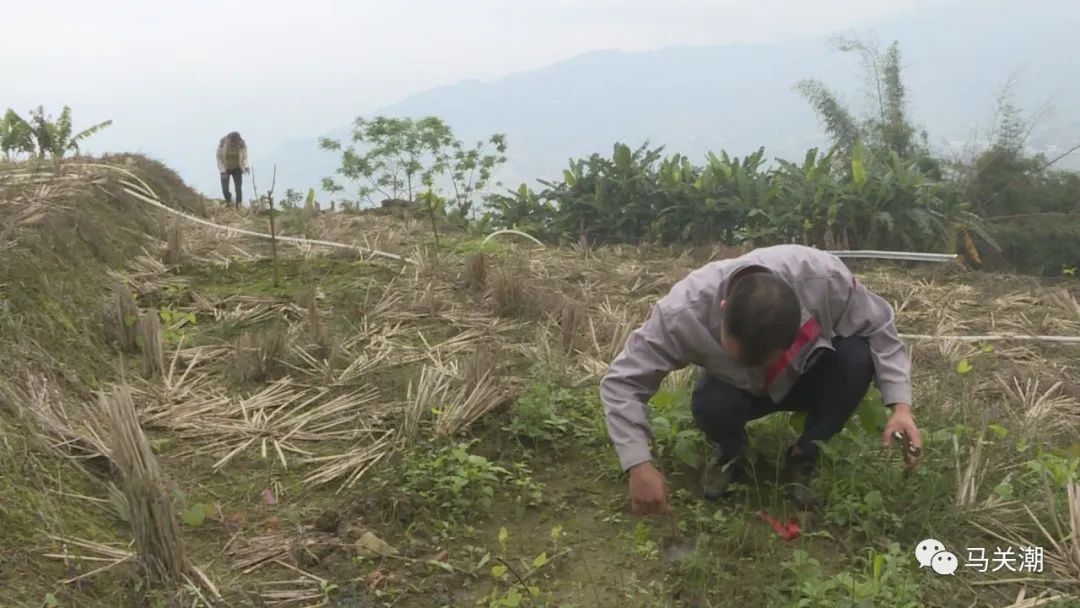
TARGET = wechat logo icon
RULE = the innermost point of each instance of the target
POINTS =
(932, 553)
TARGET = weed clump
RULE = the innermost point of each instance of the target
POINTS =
(149, 505)
(257, 356)
(318, 334)
(152, 348)
(121, 318)
(476, 272)
(174, 250)
(458, 484)
(508, 291)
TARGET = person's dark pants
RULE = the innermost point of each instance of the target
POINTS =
(829, 392)
(238, 181)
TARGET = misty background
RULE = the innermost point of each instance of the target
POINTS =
(562, 78)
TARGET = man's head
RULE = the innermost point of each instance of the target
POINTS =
(761, 316)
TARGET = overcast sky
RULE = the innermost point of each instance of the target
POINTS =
(173, 75)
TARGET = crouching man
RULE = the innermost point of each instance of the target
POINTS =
(785, 328)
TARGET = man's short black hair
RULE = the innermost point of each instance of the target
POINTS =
(762, 314)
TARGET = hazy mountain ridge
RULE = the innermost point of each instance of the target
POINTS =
(741, 97)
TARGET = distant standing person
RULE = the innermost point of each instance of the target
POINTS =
(232, 161)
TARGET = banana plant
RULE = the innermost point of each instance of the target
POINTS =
(15, 136)
(41, 135)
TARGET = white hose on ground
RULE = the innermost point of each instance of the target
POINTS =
(517, 232)
(150, 197)
(234, 230)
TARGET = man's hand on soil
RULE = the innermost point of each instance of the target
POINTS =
(902, 421)
(648, 490)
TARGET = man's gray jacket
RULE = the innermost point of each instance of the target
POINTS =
(684, 329)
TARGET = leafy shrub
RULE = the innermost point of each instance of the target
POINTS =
(1041, 245)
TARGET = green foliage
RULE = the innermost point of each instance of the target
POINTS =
(644, 545)
(885, 127)
(459, 484)
(1044, 245)
(400, 158)
(292, 199)
(195, 515)
(511, 587)
(862, 494)
(537, 414)
(871, 414)
(174, 324)
(838, 122)
(1059, 470)
(674, 433)
(877, 188)
(1032, 210)
(16, 135)
(887, 579)
(40, 135)
(872, 201)
(549, 411)
(466, 248)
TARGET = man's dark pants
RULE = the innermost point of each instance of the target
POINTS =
(238, 180)
(828, 392)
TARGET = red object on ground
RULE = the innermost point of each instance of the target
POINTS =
(787, 531)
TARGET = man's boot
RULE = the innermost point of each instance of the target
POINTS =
(798, 473)
(720, 473)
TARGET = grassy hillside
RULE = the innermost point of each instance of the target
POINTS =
(343, 430)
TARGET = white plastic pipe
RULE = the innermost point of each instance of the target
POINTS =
(896, 255)
(147, 195)
(290, 239)
(517, 232)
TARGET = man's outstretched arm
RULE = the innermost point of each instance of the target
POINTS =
(651, 352)
(864, 313)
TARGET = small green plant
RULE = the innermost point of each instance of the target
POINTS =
(644, 545)
(674, 433)
(537, 414)
(458, 483)
(549, 411)
(886, 581)
(853, 488)
(192, 514)
(174, 324)
(328, 589)
(292, 199)
(51, 601)
(479, 246)
(503, 571)
(1060, 469)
